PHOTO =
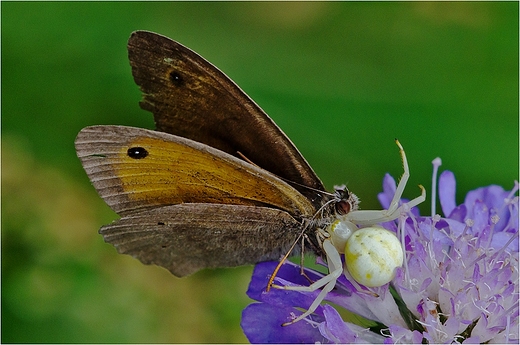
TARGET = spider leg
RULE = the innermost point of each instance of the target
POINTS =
(327, 282)
(394, 204)
(371, 217)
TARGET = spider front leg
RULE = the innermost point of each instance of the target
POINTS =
(402, 181)
(370, 217)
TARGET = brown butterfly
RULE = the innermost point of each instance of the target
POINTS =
(218, 184)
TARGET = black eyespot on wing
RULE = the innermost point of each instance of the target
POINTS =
(137, 152)
(176, 78)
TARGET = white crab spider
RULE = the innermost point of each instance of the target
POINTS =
(372, 253)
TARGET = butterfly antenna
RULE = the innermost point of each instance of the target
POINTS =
(246, 159)
(322, 208)
(307, 187)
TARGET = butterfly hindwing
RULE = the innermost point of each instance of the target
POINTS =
(188, 237)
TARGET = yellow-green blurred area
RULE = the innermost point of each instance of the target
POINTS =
(342, 79)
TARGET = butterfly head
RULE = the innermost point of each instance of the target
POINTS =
(344, 200)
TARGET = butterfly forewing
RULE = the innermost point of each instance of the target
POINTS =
(191, 98)
(133, 168)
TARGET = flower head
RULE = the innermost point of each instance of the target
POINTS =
(459, 282)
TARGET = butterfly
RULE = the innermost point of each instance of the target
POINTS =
(217, 184)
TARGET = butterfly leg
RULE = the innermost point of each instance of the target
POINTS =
(328, 282)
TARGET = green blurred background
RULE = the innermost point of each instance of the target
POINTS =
(341, 79)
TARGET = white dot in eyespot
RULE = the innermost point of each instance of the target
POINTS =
(372, 254)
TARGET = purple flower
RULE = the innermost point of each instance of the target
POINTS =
(459, 282)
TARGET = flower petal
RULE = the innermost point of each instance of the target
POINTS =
(262, 324)
(389, 188)
(340, 332)
(447, 192)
